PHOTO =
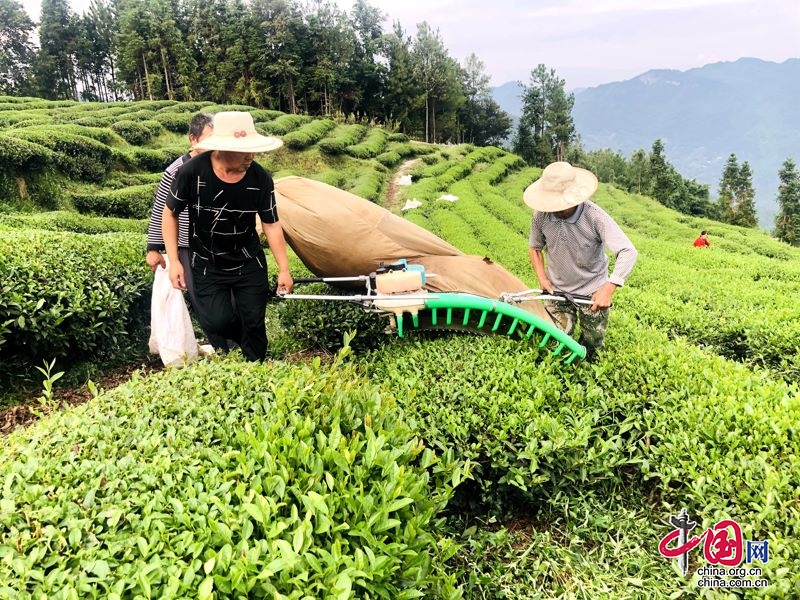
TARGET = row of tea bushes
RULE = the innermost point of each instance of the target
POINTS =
(227, 479)
(739, 299)
(62, 220)
(68, 296)
(134, 202)
(343, 136)
(371, 146)
(308, 134)
(77, 156)
(429, 187)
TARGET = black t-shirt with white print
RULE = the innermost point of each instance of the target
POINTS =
(222, 227)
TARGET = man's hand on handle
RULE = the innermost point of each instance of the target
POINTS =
(285, 283)
(602, 298)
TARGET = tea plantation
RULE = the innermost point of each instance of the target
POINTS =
(446, 466)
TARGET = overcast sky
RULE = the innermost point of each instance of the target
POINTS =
(590, 42)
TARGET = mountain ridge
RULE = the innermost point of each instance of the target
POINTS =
(745, 107)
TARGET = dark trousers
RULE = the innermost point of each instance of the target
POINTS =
(185, 254)
(233, 304)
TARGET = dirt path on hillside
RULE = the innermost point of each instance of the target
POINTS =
(392, 202)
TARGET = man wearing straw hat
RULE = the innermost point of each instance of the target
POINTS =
(223, 190)
(575, 233)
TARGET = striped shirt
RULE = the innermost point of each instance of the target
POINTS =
(222, 215)
(576, 261)
(155, 239)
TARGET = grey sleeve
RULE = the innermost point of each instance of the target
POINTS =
(615, 240)
(536, 240)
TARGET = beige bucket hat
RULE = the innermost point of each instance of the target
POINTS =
(234, 131)
(560, 187)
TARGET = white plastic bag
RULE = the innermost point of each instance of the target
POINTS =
(171, 332)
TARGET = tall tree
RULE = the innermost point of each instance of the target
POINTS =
(481, 120)
(609, 166)
(639, 175)
(104, 28)
(745, 213)
(491, 124)
(328, 48)
(367, 71)
(434, 71)
(726, 201)
(240, 36)
(402, 97)
(547, 114)
(16, 49)
(787, 223)
(137, 42)
(55, 62)
(279, 61)
(662, 176)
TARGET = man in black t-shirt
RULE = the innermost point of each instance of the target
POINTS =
(223, 190)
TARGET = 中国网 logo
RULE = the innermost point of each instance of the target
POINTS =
(723, 548)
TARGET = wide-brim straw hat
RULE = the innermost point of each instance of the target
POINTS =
(560, 187)
(234, 131)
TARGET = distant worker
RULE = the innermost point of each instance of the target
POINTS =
(223, 190)
(575, 232)
(702, 240)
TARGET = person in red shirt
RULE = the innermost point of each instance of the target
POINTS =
(702, 240)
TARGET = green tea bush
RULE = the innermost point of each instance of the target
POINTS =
(373, 144)
(342, 137)
(67, 296)
(91, 121)
(70, 221)
(389, 158)
(368, 185)
(262, 115)
(12, 102)
(154, 159)
(215, 108)
(283, 124)
(77, 156)
(185, 107)
(35, 104)
(323, 324)
(137, 133)
(102, 134)
(528, 433)
(227, 479)
(139, 114)
(309, 134)
(334, 178)
(397, 151)
(175, 122)
(120, 179)
(156, 105)
(129, 203)
(32, 122)
(101, 110)
(22, 156)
